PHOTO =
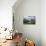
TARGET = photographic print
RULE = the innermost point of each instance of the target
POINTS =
(29, 20)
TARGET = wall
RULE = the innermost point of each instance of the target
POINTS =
(6, 13)
(43, 22)
(29, 8)
(6, 18)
